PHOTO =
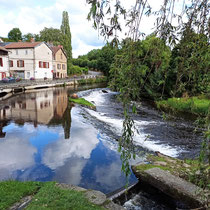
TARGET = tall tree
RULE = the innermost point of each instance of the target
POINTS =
(65, 29)
(15, 34)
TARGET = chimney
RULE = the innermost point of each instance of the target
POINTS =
(32, 40)
(60, 46)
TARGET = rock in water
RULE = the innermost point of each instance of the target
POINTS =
(104, 91)
(74, 96)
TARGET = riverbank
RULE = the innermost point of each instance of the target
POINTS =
(51, 195)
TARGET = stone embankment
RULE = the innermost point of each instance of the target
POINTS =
(163, 173)
(31, 84)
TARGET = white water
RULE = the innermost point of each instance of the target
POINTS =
(141, 138)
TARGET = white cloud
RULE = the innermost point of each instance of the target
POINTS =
(15, 154)
(80, 145)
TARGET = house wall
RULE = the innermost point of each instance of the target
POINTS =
(44, 54)
(27, 55)
(60, 58)
(4, 70)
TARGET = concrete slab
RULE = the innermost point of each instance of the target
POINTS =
(173, 186)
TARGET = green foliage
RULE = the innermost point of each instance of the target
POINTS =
(78, 70)
(190, 63)
(27, 37)
(66, 39)
(15, 34)
(13, 191)
(140, 68)
(100, 59)
(51, 35)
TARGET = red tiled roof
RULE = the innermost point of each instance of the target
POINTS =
(56, 48)
(17, 45)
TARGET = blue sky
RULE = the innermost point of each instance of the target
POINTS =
(33, 15)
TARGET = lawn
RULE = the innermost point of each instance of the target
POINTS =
(195, 105)
(46, 195)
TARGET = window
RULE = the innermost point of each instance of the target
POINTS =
(44, 65)
(63, 67)
(58, 66)
(26, 52)
(1, 62)
(16, 52)
(10, 63)
(20, 63)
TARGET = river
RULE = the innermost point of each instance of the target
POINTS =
(44, 138)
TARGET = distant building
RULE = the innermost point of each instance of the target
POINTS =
(59, 62)
(1, 41)
(4, 63)
(30, 59)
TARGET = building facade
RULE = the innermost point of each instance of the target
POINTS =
(4, 63)
(30, 60)
(59, 62)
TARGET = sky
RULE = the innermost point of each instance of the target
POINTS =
(31, 16)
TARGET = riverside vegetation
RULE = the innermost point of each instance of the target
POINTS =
(170, 66)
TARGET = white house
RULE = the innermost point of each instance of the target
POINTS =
(30, 59)
(4, 61)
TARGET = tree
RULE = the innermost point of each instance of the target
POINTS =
(66, 41)
(27, 37)
(15, 34)
(51, 35)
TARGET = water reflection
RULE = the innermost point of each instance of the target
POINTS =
(49, 107)
(44, 138)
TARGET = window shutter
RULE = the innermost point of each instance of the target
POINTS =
(48, 65)
(18, 63)
(23, 64)
(40, 64)
(11, 63)
(1, 62)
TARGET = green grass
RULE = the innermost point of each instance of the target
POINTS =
(82, 101)
(52, 197)
(46, 196)
(144, 167)
(12, 191)
(195, 105)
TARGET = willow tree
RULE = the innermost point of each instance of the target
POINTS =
(172, 19)
(66, 42)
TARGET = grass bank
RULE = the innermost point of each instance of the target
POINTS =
(45, 196)
(83, 102)
(199, 106)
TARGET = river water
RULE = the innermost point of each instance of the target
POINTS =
(44, 138)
